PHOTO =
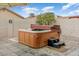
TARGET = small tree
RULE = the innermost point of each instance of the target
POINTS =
(45, 19)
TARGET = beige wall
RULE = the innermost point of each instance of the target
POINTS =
(5, 28)
(9, 30)
(69, 27)
(28, 21)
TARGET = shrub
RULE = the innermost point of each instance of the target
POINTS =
(45, 19)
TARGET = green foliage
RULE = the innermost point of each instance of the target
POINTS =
(45, 19)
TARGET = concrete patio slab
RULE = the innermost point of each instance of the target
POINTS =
(13, 48)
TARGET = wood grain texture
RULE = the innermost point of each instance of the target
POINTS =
(36, 40)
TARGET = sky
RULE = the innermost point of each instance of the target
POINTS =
(60, 9)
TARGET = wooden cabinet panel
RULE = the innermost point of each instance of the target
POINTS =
(36, 40)
(54, 35)
(27, 40)
(21, 37)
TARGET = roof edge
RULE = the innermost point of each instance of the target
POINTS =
(13, 12)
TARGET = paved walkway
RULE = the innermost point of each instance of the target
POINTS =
(13, 48)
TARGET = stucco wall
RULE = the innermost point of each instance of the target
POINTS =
(28, 21)
(9, 30)
(6, 29)
(69, 27)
